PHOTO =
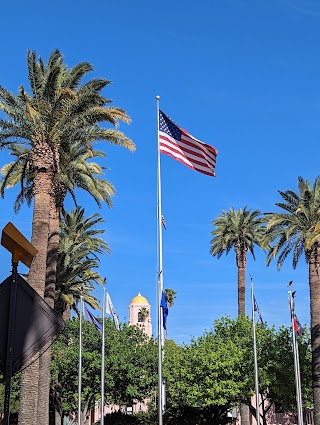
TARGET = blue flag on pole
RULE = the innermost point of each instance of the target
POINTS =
(256, 308)
(91, 318)
(165, 310)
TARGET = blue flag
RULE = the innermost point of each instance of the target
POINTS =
(90, 318)
(256, 308)
(165, 310)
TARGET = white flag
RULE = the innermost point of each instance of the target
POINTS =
(110, 310)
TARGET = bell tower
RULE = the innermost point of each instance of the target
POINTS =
(140, 314)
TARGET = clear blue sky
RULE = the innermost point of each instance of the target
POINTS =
(241, 75)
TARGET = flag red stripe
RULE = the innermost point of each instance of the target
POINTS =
(197, 144)
(182, 150)
(189, 160)
(197, 148)
(192, 163)
(183, 160)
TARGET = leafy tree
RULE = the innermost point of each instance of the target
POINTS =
(295, 229)
(207, 372)
(275, 363)
(217, 369)
(130, 365)
(14, 396)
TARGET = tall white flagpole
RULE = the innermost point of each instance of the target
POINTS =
(256, 379)
(80, 360)
(103, 352)
(296, 362)
(159, 279)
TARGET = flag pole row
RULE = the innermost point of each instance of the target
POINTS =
(297, 329)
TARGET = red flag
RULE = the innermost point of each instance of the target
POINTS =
(182, 146)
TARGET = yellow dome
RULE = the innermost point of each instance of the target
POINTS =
(139, 299)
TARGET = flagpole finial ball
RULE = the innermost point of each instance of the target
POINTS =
(158, 97)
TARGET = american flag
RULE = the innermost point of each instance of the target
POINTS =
(297, 326)
(182, 146)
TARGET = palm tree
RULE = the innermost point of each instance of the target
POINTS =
(59, 113)
(78, 260)
(241, 230)
(143, 314)
(77, 172)
(170, 296)
(296, 229)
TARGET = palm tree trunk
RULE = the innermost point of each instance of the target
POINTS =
(45, 358)
(315, 332)
(244, 413)
(241, 258)
(241, 291)
(37, 274)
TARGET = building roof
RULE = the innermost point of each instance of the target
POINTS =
(139, 299)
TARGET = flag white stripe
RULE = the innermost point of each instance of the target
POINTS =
(199, 148)
(196, 155)
(203, 147)
(183, 149)
(193, 163)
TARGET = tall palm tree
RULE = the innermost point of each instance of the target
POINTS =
(58, 113)
(170, 296)
(295, 229)
(241, 230)
(78, 170)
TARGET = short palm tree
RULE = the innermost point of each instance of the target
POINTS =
(143, 314)
(170, 296)
(295, 229)
(78, 260)
(240, 230)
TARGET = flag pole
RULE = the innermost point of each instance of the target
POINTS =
(80, 360)
(159, 278)
(103, 352)
(296, 361)
(256, 380)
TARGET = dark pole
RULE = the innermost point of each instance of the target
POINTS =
(10, 342)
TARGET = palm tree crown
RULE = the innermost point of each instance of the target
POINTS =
(143, 314)
(78, 260)
(296, 229)
(170, 296)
